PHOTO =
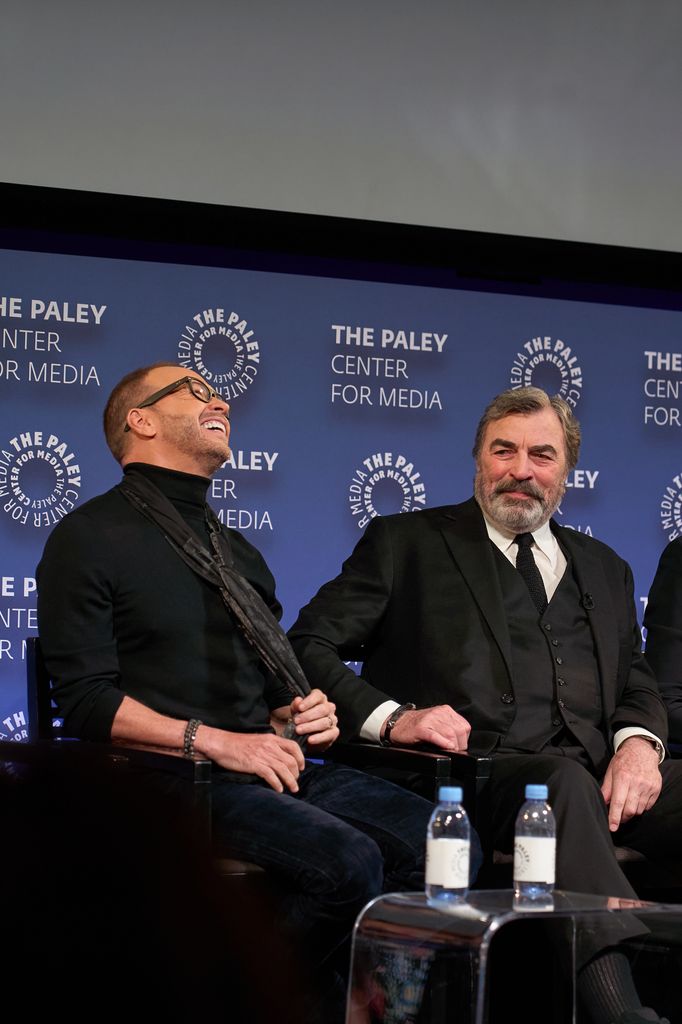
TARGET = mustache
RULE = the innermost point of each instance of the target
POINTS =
(521, 487)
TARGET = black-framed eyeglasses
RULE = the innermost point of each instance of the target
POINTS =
(199, 388)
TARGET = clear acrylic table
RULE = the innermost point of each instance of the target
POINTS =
(484, 961)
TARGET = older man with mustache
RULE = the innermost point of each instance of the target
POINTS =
(517, 638)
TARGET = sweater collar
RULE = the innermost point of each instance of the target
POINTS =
(180, 488)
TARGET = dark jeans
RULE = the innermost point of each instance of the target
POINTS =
(343, 839)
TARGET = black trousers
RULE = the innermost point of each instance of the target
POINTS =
(586, 859)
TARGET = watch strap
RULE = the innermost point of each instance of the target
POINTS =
(392, 719)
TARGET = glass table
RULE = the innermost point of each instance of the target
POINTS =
(486, 961)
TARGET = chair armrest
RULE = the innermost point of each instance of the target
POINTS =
(422, 757)
(195, 769)
(366, 756)
(435, 766)
(77, 756)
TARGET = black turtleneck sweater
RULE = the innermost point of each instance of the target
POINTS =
(120, 613)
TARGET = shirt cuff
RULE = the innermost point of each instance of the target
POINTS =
(636, 730)
(371, 729)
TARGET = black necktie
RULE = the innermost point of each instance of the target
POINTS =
(525, 563)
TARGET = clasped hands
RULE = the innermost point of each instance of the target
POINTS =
(276, 760)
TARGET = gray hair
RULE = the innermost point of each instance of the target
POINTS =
(523, 402)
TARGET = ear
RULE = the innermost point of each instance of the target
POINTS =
(141, 423)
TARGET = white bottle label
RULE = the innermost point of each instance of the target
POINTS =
(447, 863)
(534, 859)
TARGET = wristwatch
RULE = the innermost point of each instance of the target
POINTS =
(385, 740)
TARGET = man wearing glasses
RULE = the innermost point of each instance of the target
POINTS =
(140, 597)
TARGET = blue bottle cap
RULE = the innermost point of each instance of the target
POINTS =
(536, 792)
(450, 794)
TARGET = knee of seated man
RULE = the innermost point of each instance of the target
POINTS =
(568, 780)
(352, 873)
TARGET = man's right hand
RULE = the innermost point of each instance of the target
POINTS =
(278, 761)
(441, 726)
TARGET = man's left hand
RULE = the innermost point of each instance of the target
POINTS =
(314, 717)
(632, 782)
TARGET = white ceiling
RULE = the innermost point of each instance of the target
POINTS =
(527, 117)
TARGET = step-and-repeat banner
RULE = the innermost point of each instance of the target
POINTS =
(349, 400)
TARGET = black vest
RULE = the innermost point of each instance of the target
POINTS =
(556, 686)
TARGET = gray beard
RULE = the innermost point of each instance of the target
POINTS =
(513, 514)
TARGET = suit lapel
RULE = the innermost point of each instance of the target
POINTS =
(595, 599)
(465, 535)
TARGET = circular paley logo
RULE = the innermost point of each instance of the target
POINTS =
(14, 727)
(40, 479)
(670, 509)
(220, 345)
(383, 484)
(548, 363)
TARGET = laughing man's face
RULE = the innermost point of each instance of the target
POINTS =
(193, 434)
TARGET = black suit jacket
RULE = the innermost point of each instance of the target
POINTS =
(419, 602)
(663, 620)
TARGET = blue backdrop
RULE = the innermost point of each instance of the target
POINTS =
(349, 399)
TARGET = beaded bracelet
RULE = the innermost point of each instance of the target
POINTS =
(190, 735)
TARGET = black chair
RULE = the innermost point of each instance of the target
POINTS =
(44, 729)
(61, 766)
(121, 892)
(422, 769)
(49, 748)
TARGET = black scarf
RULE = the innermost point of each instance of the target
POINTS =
(253, 617)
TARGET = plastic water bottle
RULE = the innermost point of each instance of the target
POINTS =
(447, 850)
(534, 852)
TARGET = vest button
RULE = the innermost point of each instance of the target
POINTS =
(555, 721)
(555, 643)
(561, 703)
(507, 698)
(559, 661)
(561, 682)
(548, 627)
